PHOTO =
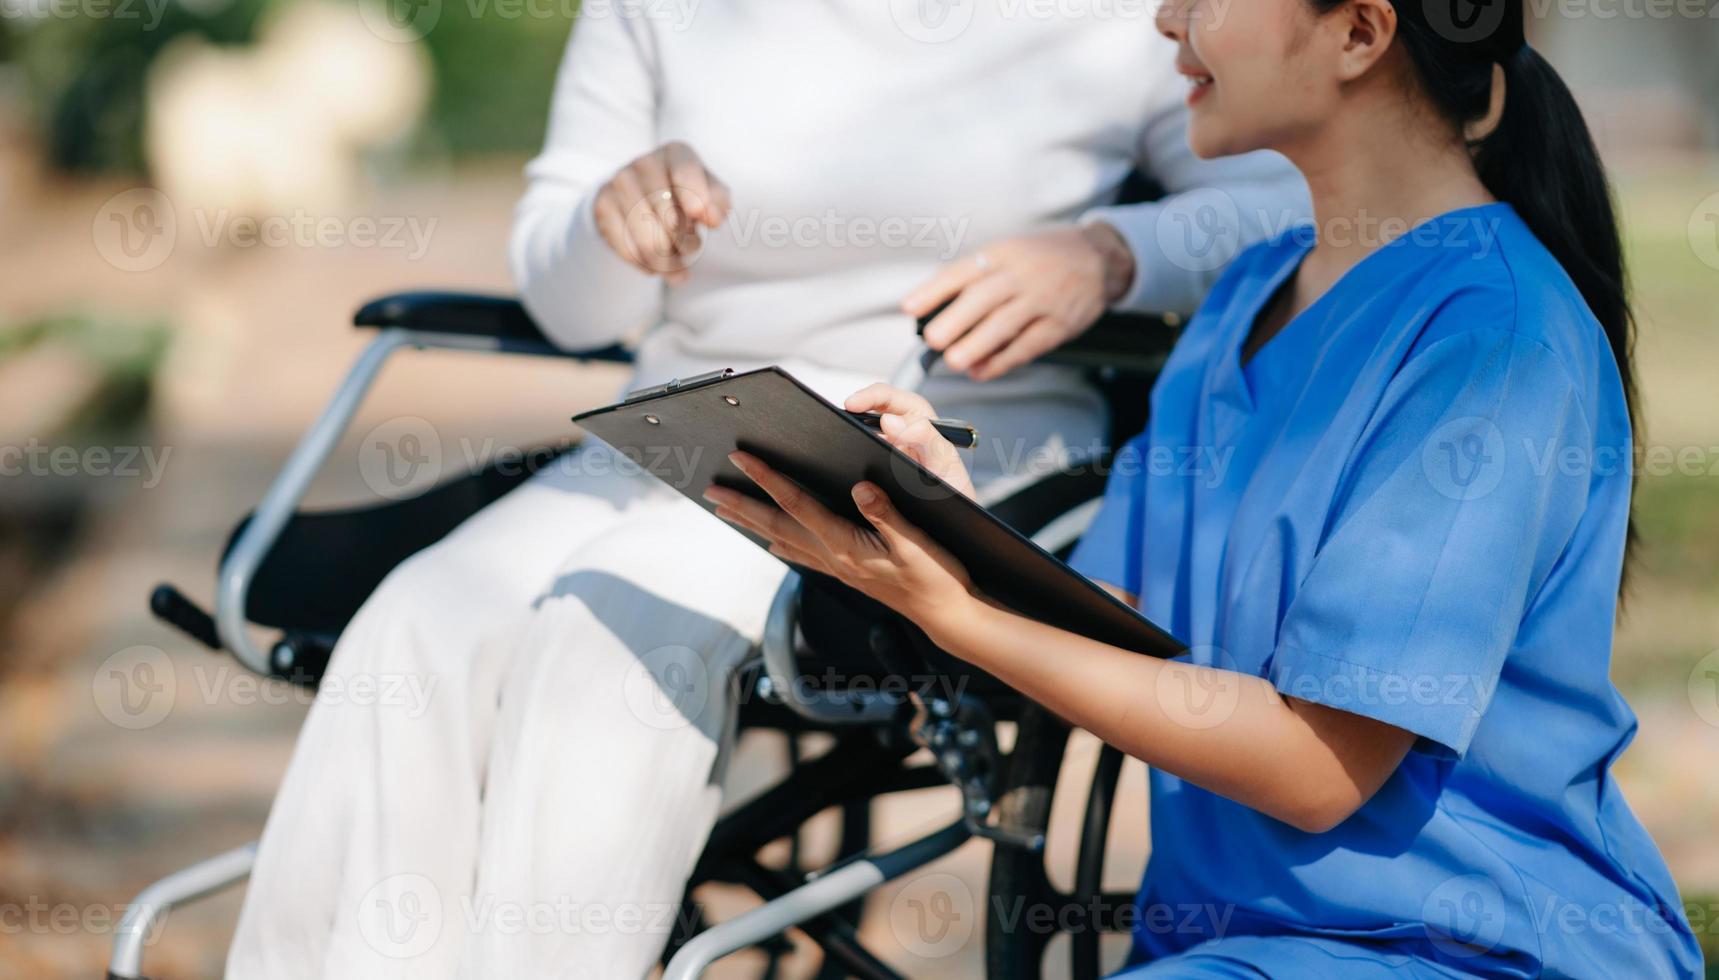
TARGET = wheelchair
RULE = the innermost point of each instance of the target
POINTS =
(303, 574)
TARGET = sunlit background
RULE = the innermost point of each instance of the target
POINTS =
(196, 194)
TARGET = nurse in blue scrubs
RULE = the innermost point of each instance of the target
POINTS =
(1384, 497)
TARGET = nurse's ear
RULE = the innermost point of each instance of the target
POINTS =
(1364, 30)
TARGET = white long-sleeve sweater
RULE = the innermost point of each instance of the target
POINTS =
(865, 147)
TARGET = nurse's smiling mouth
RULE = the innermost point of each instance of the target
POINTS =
(1199, 80)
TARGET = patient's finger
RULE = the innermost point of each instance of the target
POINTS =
(651, 245)
(1039, 338)
(967, 310)
(611, 223)
(940, 288)
(695, 188)
(990, 336)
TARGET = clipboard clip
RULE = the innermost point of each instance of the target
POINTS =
(678, 384)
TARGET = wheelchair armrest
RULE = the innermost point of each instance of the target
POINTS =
(1124, 343)
(471, 315)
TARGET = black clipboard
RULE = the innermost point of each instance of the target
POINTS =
(683, 431)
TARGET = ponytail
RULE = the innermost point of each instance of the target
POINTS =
(1541, 160)
(1539, 157)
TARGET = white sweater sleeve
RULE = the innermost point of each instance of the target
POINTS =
(603, 117)
(1210, 211)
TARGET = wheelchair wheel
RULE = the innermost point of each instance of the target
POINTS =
(1026, 908)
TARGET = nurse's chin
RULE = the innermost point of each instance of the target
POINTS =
(1209, 138)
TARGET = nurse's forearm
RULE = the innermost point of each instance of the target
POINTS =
(1234, 734)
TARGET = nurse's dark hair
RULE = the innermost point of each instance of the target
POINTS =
(1539, 158)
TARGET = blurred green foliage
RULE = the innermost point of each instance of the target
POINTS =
(493, 70)
(123, 357)
(494, 76)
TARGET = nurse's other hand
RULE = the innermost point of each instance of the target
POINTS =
(1021, 298)
(887, 559)
(651, 211)
(906, 423)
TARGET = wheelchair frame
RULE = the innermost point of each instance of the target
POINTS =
(869, 725)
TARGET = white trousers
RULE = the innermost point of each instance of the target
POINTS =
(514, 760)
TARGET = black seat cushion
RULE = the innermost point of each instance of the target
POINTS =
(326, 563)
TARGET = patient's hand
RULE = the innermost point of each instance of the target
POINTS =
(907, 425)
(651, 211)
(1021, 298)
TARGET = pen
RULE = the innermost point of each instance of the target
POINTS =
(961, 434)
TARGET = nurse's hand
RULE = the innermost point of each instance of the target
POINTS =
(651, 211)
(1021, 298)
(889, 559)
(906, 424)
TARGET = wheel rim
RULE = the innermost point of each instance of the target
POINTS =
(1020, 879)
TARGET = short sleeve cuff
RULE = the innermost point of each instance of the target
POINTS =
(1440, 710)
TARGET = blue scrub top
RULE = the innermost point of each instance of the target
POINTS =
(1410, 504)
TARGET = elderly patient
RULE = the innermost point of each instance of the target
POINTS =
(774, 183)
